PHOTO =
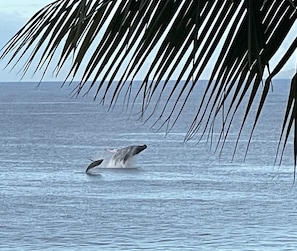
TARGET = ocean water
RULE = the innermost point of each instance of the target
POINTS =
(177, 196)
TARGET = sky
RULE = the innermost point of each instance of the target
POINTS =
(15, 13)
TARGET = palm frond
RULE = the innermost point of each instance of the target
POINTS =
(116, 40)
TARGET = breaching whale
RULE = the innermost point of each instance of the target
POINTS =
(94, 164)
(121, 156)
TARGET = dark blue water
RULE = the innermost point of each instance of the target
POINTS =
(180, 196)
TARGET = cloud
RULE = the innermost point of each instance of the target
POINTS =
(23, 8)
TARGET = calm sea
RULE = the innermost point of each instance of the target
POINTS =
(178, 196)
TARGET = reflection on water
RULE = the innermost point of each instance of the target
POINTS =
(180, 196)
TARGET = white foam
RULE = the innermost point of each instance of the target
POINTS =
(110, 162)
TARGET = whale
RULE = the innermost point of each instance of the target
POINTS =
(120, 156)
(93, 164)
(123, 155)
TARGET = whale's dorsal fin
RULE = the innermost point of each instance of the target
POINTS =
(113, 150)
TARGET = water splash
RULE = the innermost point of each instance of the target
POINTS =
(110, 162)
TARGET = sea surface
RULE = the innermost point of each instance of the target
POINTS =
(177, 195)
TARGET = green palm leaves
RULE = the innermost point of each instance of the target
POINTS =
(165, 39)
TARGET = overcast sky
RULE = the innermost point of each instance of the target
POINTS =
(15, 13)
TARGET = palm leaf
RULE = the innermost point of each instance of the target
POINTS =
(182, 38)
